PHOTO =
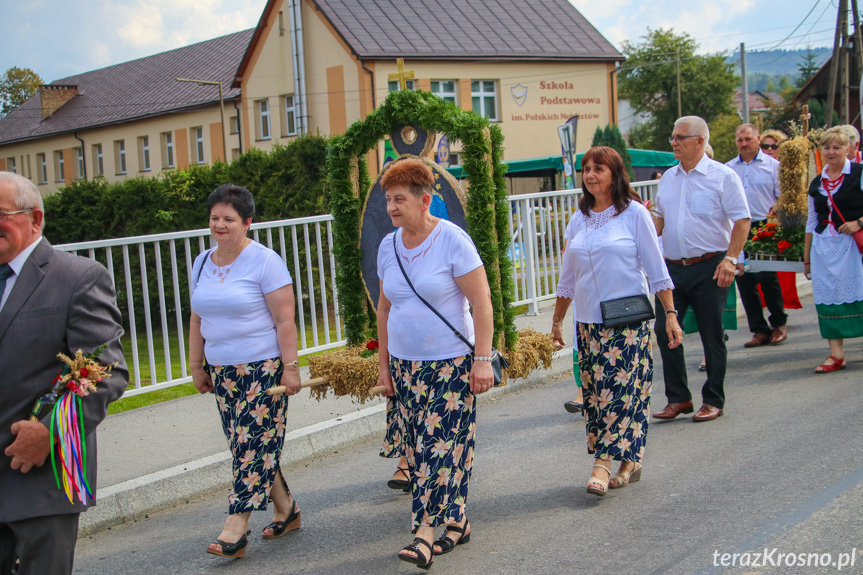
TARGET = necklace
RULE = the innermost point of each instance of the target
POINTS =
(227, 269)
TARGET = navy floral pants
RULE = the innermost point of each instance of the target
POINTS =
(392, 446)
(437, 420)
(254, 424)
(617, 373)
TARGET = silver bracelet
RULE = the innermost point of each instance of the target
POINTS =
(481, 358)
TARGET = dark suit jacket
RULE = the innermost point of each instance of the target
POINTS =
(59, 303)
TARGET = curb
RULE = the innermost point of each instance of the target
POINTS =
(136, 498)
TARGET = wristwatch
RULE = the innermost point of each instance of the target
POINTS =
(732, 259)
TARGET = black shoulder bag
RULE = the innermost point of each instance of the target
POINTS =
(197, 280)
(498, 362)
(622, 311)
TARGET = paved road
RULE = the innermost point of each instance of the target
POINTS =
(783, 469)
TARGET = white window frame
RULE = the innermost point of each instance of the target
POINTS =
(395, 86)
(168, 138)
(61, 176)
(121, 157)
(11, 165)
(100, 160)
(290, 127)
(234, 124)
(483, 95)
(264, 125)
(449, 96)
(43, 170)
(80, 174)
(199, 143)
(145, 153)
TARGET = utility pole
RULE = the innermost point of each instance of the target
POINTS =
(679, 104)
(857, 53)
(832, 77)
(745, 83)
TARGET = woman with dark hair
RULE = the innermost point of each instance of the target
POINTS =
(612, 245)
(656, 175)
(433, 374)
(242, 341)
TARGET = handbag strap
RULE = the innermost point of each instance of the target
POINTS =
(593, 271)
(203, 261)
(430, 306)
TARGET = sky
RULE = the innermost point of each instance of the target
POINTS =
(60, 38)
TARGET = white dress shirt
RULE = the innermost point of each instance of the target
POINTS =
(17, 264)
(699, 208)
(760, 179)
(609, 254)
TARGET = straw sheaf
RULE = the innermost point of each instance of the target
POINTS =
(794, 178)
(532, 351)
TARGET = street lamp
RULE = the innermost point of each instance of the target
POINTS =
(221, 105)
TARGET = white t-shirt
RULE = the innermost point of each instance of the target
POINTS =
(414, 332)
(235, 321)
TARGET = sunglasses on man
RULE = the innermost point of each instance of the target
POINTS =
(769, 146)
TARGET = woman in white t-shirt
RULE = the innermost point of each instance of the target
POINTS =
(433, 374)
(612, 245)
(243, 324)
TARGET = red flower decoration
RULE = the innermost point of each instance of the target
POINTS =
(373, 344)
(783, 245)
(72, 385)
(83, 372)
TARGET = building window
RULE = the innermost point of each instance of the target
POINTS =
(98, 160)
(58, 166)
(484, 96)
(79, 168)
(234, 124)
(264, 116)
(29, 166)
(167, 150)
(120, 156)
(144, 153)
(235, 153)
(198, 137)
(10, 165)
(444, 89)
(394, 86)
(43, 168)
(289, 122)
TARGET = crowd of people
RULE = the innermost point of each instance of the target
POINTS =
(434, 329)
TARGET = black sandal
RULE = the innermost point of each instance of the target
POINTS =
(281, 527)
(401, 484)
(421, 560)
(446, 544)
(233, 550)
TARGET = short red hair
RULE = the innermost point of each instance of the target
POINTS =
(409, 173)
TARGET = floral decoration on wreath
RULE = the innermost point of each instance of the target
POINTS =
(62, 403)
(772, 239)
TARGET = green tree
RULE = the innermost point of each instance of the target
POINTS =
(648, 79)
(723, 137)
(16, 87)
(784, 83)
(612, 138)
(807, 67)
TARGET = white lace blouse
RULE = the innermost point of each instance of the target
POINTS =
(623, 247)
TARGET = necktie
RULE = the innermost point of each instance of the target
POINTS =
(5, 273)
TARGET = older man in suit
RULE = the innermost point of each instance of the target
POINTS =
(50, 302)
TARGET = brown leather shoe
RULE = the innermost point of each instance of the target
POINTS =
(707, 413)
(757, 340)
(779, 334)
(672, 410)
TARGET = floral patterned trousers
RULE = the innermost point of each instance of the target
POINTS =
(437, 420)
(392, 445)
(254, 424)
(616, 372)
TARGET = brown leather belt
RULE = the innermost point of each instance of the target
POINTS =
(690, 261)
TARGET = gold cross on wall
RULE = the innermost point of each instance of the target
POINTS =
(402, 76)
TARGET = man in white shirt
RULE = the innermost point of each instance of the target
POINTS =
(703, 218)
(854, 146)
(760, 176)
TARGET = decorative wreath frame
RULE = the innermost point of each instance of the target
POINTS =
(349, 182)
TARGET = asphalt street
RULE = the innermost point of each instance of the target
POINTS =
(781, 471)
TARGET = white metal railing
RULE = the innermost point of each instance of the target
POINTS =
(537, 227)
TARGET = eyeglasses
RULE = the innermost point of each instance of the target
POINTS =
(769, 146)
(679, 139)
(5, 215)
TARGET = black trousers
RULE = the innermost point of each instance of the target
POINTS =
(694, 287)
(41, 545)
(747, 285)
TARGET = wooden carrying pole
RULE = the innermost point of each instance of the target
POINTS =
(280, 389)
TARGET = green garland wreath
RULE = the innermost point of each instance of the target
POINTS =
(349, 183)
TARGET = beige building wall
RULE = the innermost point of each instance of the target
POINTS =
(269, 78)
(183, 130)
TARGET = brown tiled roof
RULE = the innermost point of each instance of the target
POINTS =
(134, 90)
(467, 29)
